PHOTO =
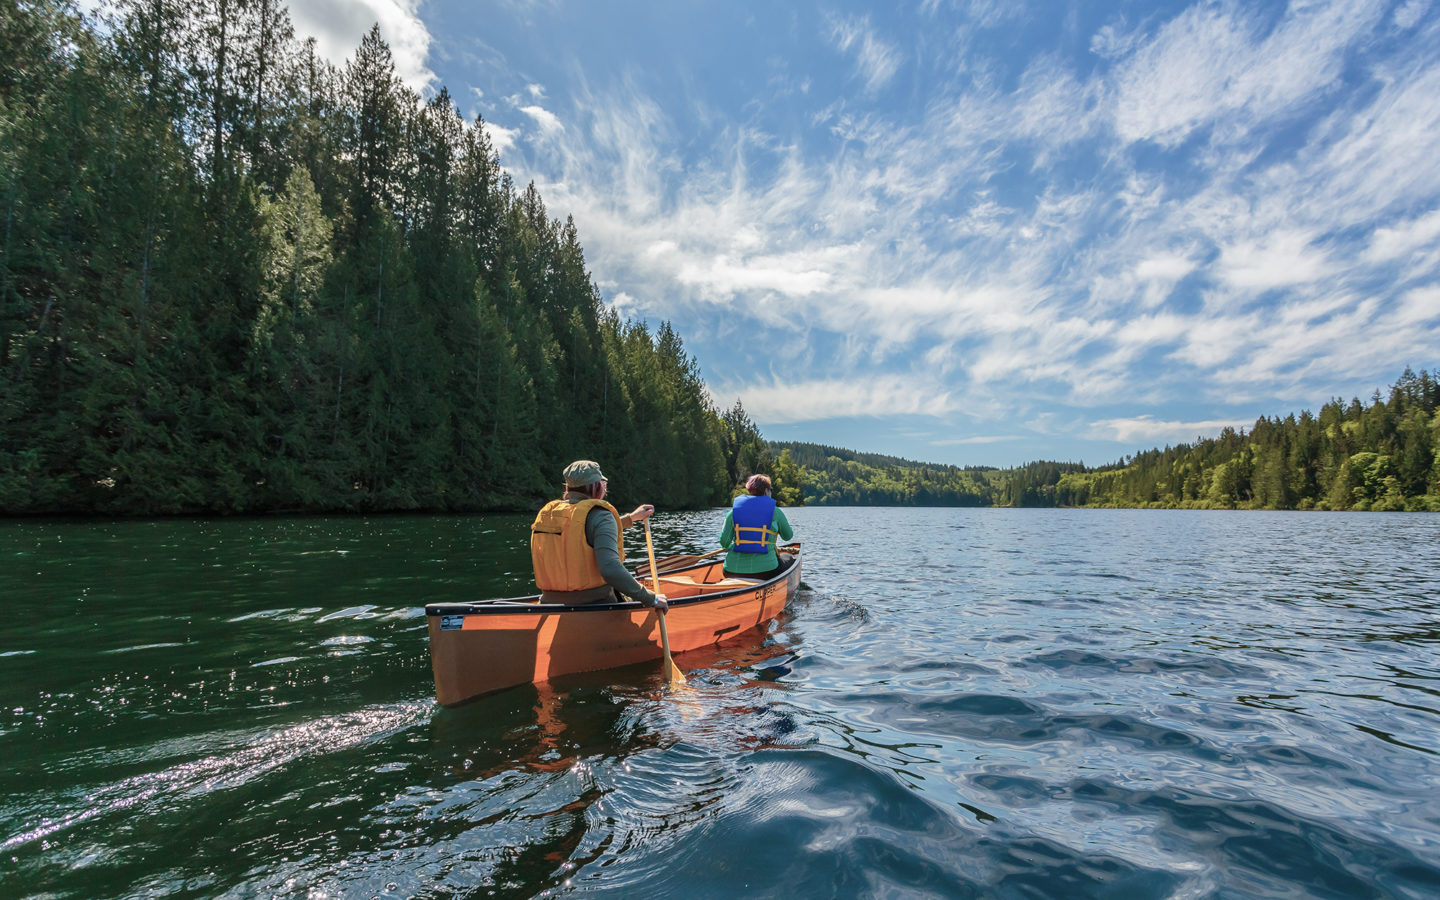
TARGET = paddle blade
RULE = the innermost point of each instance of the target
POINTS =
(673, 673)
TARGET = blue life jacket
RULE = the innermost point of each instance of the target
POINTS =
(753, 517)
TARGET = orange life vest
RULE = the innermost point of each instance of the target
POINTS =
(563, 559)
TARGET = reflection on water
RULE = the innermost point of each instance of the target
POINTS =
(1001, 703)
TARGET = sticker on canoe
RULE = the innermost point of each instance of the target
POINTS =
(452, 623)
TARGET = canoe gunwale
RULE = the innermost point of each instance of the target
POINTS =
(488, 646)
(530, 604)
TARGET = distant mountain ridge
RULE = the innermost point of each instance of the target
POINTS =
(1384, 455)
(808, 454)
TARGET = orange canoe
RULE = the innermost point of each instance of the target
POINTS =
(478, 648)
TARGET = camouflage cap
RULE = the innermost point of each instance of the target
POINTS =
(582, 472)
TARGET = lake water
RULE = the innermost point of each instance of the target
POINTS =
(959, 703)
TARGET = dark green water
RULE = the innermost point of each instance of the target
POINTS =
(1003, 703)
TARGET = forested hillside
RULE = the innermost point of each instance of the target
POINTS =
(831, 476)
(234, 278)
(1381, 455)
(1384, 455)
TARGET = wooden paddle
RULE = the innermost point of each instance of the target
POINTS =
(686, 560)
(672, 671)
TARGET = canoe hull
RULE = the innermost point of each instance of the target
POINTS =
(476, 649)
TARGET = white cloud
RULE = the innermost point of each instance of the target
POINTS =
(548, 122)
(784, 402)
(726, 277)
(501, 139)
(1211, 342)
(980, 439)
(1017, 244)
(982, 13)
(1404, 238)
(1150, 279)
(1164, 267)
(1113, 42)
(1379, 158)
(985, 218)
(1148, 430)
(1408, 15)
(1212, 61)
(1277, 260)
(338, 26)
(1153, 330)
(1052, 107)
(1418, 307)
(1235, 202)
(876, 59)
(1178, 81)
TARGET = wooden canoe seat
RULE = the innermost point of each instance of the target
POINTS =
(687, 586)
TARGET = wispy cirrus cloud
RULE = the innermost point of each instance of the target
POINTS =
(1000, 278)
(784, 401)
(1145, 430)
(876, 60)
(1404, 238)
(1217, 206)
(1222, 65)
(1277, 259)
(978, 439)
(1408, 14)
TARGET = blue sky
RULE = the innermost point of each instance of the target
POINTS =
(977, 232)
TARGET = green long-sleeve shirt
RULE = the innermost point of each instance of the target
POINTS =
(742, 563)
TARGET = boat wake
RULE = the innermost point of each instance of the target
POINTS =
(252, 755)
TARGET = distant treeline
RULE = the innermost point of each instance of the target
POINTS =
(234, 278)
(1384, 455)
(831, 476)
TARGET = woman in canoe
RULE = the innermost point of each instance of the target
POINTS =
(577, 544)
(751, 529)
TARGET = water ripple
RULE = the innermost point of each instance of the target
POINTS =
(1015, 703)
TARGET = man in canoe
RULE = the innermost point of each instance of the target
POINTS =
(751, 529)
(577, 544)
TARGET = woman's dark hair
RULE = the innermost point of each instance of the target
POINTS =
(759, 485)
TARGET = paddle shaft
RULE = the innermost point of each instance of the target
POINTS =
(672, 672)
(685, 560)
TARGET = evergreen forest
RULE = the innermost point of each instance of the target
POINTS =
(1380, 455)
(235, 278)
